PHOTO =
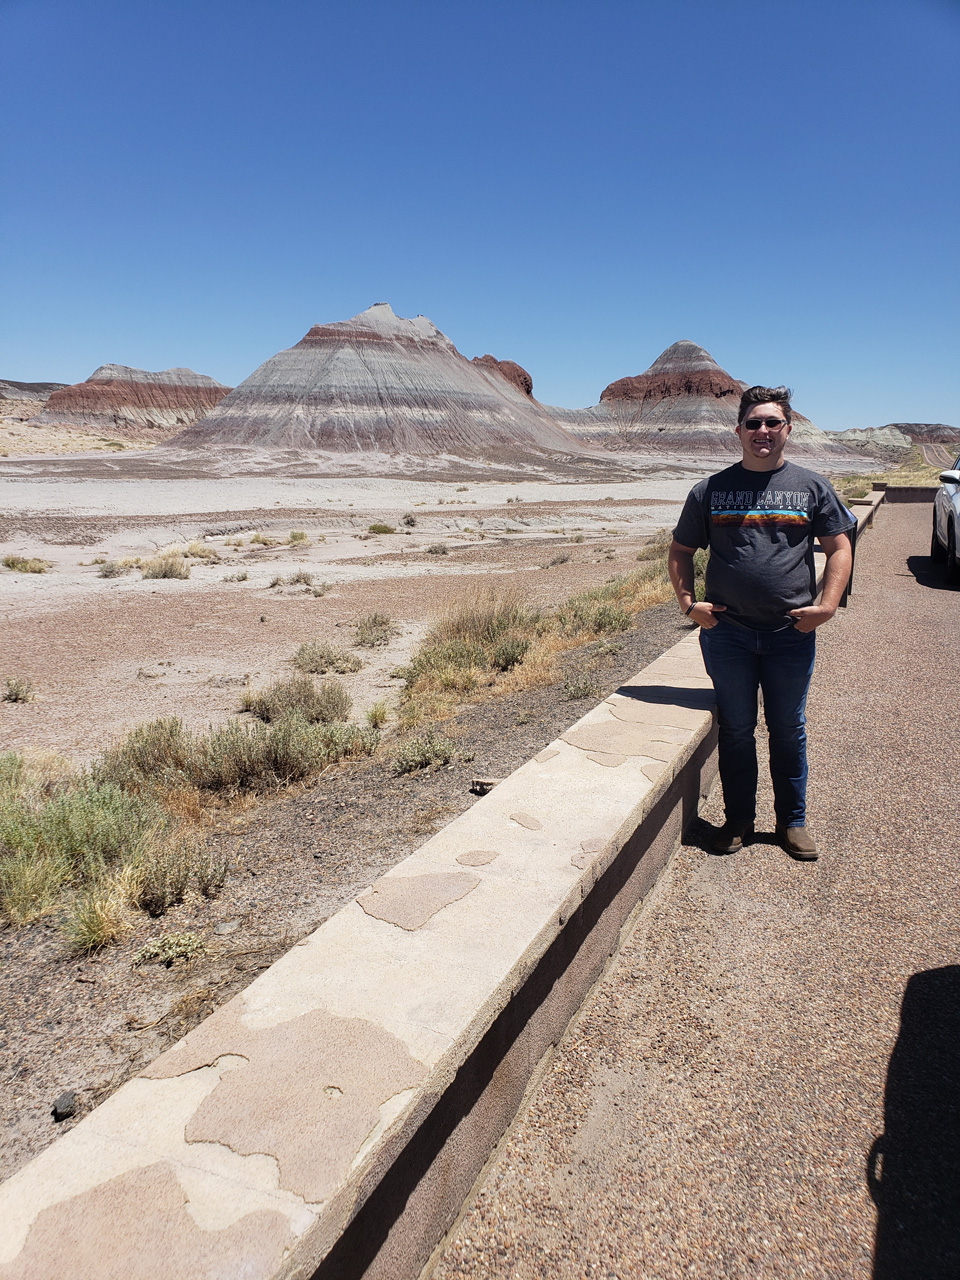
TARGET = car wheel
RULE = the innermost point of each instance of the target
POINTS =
(953, 568)
(937, 552)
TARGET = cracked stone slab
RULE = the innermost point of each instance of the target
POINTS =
(611, 761)
(478, 857)
(410, 901)
(617, 737)
(527, 820)
(657, 714)
(309, 1095)
(137, 1227)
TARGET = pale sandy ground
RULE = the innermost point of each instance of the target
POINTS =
(20, 438)
(106, 654)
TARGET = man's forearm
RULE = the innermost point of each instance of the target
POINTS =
(836, 575)
(680, 568)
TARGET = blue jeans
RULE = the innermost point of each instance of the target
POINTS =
(740, 661)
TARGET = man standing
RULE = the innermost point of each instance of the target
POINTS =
(758, 622)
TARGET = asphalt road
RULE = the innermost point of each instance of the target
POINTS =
(766, 1083)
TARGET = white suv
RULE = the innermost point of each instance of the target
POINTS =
(945, 542)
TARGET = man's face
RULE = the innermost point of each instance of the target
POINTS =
(763, 434)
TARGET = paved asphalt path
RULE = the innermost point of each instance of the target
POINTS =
(767, 1080)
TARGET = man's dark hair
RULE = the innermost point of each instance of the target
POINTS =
(765, 395)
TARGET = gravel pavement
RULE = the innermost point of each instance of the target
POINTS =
(766, 1082)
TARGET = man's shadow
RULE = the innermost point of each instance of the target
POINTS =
(928, 573)
(913, 1169)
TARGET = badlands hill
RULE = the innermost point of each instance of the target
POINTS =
(133, 404)
(378, 384)
(684, 402)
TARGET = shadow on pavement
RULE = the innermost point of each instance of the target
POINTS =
(913, 1169)
(928, 574)
(670, 695)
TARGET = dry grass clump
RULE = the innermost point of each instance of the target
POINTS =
(318, 657)
(169, 564)
(318, 704)
(240, 576)
(377, 714)
(498, 644)
(201, 551)
(21, 564)
(438, 549)
(301, 578)
(373, 630)
(296, 536)
(262, 540)
(18, 689)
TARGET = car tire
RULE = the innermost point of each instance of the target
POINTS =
(953, 567)
(938, 553)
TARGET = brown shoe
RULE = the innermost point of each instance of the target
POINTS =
(731, 837)
(799, 843)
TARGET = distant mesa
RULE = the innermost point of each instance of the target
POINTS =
(380, 384)
(685, 402)
(38, 391)
(514, 373)
(133, 404)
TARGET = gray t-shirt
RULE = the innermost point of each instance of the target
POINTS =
(760, 527)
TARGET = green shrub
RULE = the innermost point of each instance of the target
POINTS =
(438, 549)
(316, 703)
(410, 520)
(164, 876)
(510, 651)
(381, 528)
(18, 689)
(169, 948)
(373, 630)
(297, 536)
(581, 685)
(423, 751)
(113, 569)
(168, 565)
(319, 657)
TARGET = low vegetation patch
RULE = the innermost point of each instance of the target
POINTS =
(317, 704)
(301, 578)
(438, 549)
(374, 630)
(913, 470)
(170, 949)
(170, 564)
(381, 528)
(18, 689)
(424, 751)
(489, 644)
(297, 536)
(317, 657)
(21, 564)
(113, 569)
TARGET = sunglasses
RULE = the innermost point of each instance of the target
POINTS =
(772, 424)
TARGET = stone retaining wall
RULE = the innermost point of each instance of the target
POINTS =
(330, 1120)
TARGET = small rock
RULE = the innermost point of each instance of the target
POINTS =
(228, 926)
(480, 786)
(65, 1106)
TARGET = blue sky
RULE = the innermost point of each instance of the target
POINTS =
(570, 185)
